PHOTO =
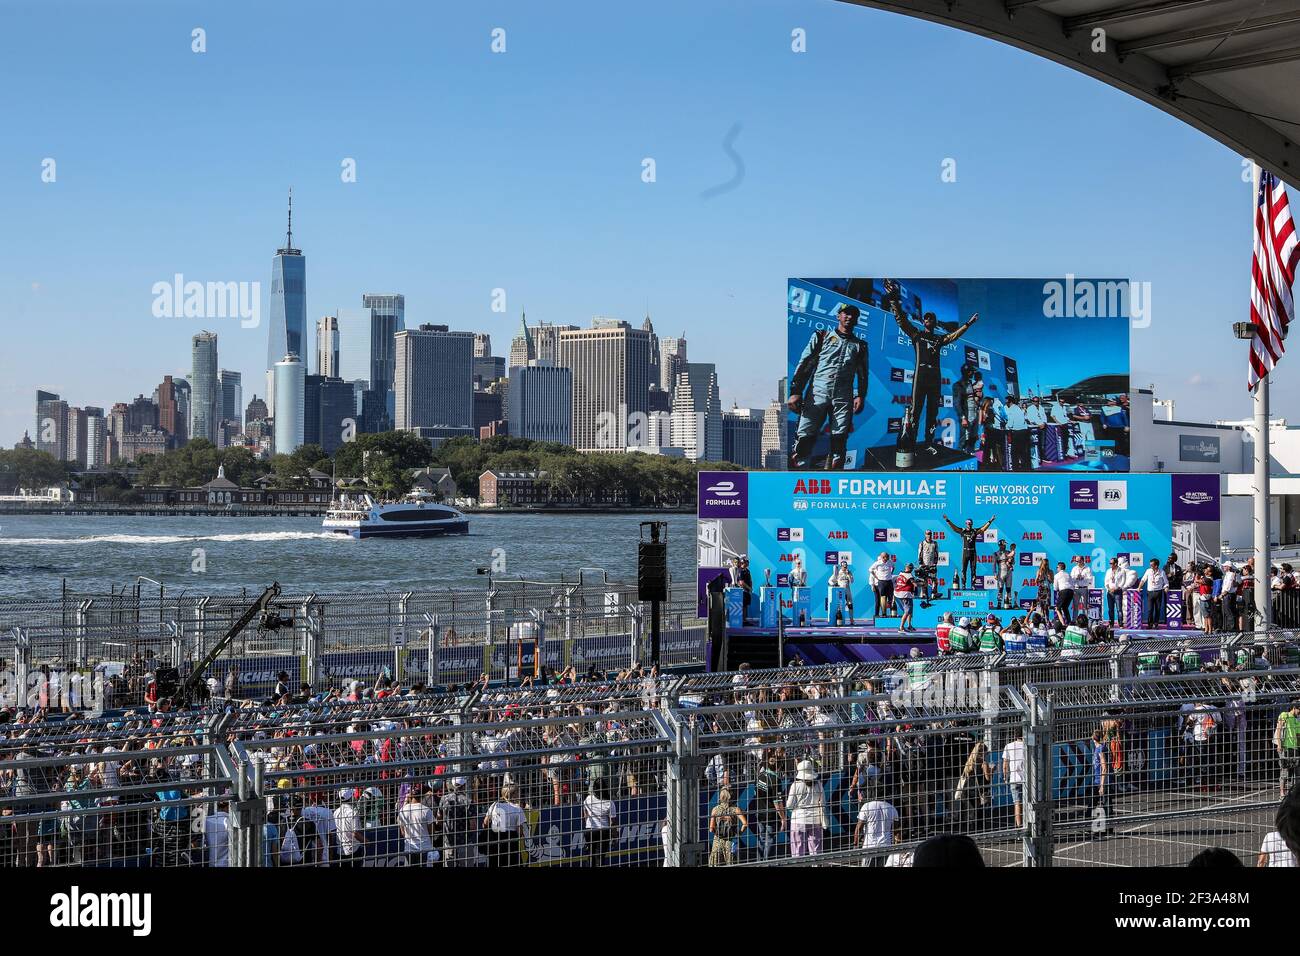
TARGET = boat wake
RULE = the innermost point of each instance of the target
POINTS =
(263, 537)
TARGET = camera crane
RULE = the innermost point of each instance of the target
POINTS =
(187, 692)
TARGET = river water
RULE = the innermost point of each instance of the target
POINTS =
(210, 554)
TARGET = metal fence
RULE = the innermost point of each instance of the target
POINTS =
(92, 653)
(833, 765)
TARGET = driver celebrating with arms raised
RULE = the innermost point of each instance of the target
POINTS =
(929, 343)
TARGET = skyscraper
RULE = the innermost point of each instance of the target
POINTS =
(76, 452)
(648, 326)
(433, 378)
(327, 346)
(171, 419)
(232, 396)
(256, 411)
(776, 445)
(336, 405)
(610, 366)
(697, 412)
(487, 369)
(184, 402)
(541, 403)
(288, 321)
(289, 411)
(96, 437)
(366, 356)
(52, 425)
(672, 353)
(205, 408)
(388, 317)
(482, 345)
(742, 437)
(521, 346)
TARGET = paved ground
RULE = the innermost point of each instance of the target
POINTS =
(1221, 821)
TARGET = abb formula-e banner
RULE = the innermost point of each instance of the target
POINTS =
(812, 523)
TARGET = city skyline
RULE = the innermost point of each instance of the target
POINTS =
(561, 220)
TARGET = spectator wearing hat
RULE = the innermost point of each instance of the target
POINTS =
(806, 804)
(351, 834)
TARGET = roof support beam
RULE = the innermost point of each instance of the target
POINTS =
(1218, 31)
(1127, 13)
(1228, 64)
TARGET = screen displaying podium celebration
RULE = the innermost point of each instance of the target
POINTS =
(997, 375)
(828, 548)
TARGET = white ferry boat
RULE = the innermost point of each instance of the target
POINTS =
(415, 516)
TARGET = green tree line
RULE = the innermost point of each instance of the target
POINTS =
(384, 461)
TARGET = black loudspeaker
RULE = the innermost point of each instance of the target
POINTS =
(652, 571)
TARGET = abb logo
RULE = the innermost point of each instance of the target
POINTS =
(812, 486)
(1129, 536)
(786, 558)
(838, 535)
(1032, 536)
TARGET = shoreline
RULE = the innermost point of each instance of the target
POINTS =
(145, 511)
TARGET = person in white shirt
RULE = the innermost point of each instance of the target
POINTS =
(347, 823)
(1114, 584)
(1013, 772)
(415, 823)
(1130, 575)
(1275, 852)
(599, 818)
(1081, 581)
(1229, 587)
(877, 819)
(881, 575)
(1155, 583)
(1037, 420)
(798, 576)
(806, 804)
(1064, 585)
(216, 836)
(506, 824)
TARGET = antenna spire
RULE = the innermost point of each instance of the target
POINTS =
(289, 241)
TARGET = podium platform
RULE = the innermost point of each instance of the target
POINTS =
(884, 457)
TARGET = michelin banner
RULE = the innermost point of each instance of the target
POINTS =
(978, 522)
(1023, 375)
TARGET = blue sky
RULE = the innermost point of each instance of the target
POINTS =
(523, 171)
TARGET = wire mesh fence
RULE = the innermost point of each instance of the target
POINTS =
(94, 661)
(137, 795)
(832, 765)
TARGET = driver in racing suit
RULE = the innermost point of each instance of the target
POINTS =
(928, 342)
(830, 381)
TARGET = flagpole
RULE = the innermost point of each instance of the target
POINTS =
(1263, 556)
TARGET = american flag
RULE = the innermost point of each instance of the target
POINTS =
(1272, 273)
